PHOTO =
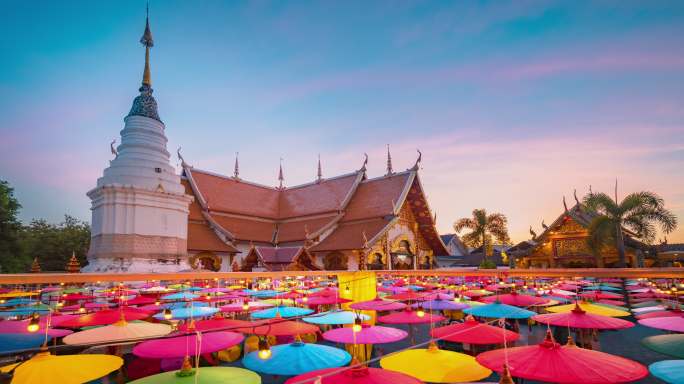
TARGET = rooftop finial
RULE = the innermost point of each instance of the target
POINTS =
(148, 42)
(145, 105)
(236, 170)
(280, 174)
(389, 161)
(416, 166)
(319, 175)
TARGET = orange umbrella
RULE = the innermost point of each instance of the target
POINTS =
(473, 332)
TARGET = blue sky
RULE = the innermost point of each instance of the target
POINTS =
(514, 104)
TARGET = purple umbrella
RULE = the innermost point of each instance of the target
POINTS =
(367, 335)
(187, 345)
(441, 305)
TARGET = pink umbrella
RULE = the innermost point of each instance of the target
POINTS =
(361, 375)
(515, 299)
(19, 326)
(367, 335)
(410, 317)
(324, 300)
(187, 345)
(141, 300)
(665, 313)
(675, 324)
(252, 306)
(76, 307)
(377, 304)
(410, 295)
(598, 295)
(618, 303)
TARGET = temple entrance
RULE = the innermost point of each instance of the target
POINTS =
(206, 260)
(335, 261)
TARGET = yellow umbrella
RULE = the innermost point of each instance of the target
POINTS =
(285, 302)
(119, 331)
(435, 365)
(8, 295)
(589, 308)
(46, 368)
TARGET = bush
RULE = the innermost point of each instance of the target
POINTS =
(487, 264)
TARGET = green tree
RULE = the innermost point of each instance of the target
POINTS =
(639, 212)
(53, 244)
(11, 257)
(483, 229)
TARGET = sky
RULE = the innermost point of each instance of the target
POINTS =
(514, 104)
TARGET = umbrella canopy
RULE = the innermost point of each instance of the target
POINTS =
(598, 295)
(140, 300)
(441, 305)
(666, 313)
(108, 316)
(278, 327)
(187, 312)
(205, 375)
(335, 317)
(20, 326)
(551, 362)
(363, 375)
(515, 299)
(119, 331)
(410, 317)
(180, 296)
(435, 365)
(208, 325)
(11, 342)
(590, 308)
(367, 335)
(281, 312)
(669, 371)
(377, 304)
(406, 296)
(498, 310)
(46, 368)
(472, 331)
(323, 300)
(671, 345)
(187, 345)
(251, 306)
(577, 318)
(297, 358)
(675, 324)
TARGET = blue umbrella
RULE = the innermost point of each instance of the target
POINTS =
(297, 358)
(499, 310)
(441, 305)
(559, 299)
(415, 287)
(669, 371)
(602, 288)
(18, 301)
(180, 304)
(10, 342)
(335, 317)
(188, 312)
(194, 289)
(25, 311)
(282, 311)
(180, 296)
(263, 294)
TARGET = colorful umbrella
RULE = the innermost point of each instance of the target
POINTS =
(435, 365)
(551, 362)
(367, 335)
(15, 342)
(119, 331)
(473, 332)
(180, 296)
(205, 375)
(278, 327)
(410, 317)
(297, 358)
(377, 304)
(675, 324)
(577, 318)
(187, 345)
(669, 371)
(515, 299)
(21, 326)
(671, 345)
(323, 300)
(46, 368)
(361, 375)
(213, 325)
(406, 296)
(498, 310)
(440, 305)
(187, 312)
(590, 308)
(335, 317)
(281, 311)
(666, 313)
(108, 316)
(250, 306)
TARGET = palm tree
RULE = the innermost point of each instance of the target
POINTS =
(639, 212)
(483, 228)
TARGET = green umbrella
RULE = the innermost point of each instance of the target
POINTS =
(671, 345)
(205, 375)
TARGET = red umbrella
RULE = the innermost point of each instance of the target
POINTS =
(377, 304)
(551, 362)
(577, 318)
(361, 375)
(410, 317)
(290, 295)
(667, 313)
(278, 327)
(598, 295)
(187, 345)
(473, 332)
(410, 295)
(324, 292)
(323, 300)
(141, 300)
(618, 303)
(76, 297)
(213, 325)
(108, 316)
(515, 299)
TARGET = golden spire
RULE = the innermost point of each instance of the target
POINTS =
(148, 42)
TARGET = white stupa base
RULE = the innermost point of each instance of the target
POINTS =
(136, 265)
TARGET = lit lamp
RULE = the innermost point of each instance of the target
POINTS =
(420, 312)
(245, 305)
(346, 289)
(60, 304)
(264, 349)
(157, 302)
(357, 325)
(305, 298)
(167, 314)
(81, 308)
(34, 323)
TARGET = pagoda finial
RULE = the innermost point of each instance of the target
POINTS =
(319, 175)
(389, 161)
(148, 42)
(280, 174)
(236, 169)
(145, 105)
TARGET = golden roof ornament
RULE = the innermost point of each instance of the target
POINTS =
(145, 105)
(73, 266)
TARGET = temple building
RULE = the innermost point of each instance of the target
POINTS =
(563, 244)
(147, 218)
